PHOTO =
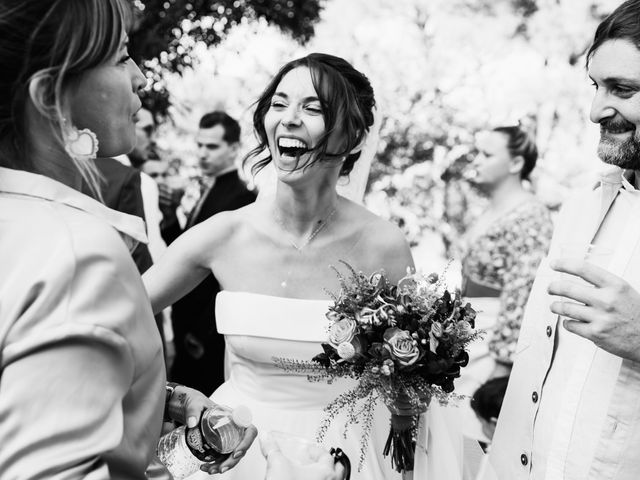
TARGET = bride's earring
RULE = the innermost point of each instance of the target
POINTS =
(82, 144)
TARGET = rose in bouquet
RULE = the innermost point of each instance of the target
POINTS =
(404, 343)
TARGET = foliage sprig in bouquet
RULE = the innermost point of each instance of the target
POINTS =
(404, 344)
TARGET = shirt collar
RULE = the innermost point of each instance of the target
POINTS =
(18, 182)
(616, 176)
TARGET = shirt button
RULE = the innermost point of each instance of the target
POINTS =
(549, 330)
(534, 397)
(524, 460)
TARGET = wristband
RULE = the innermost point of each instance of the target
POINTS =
(169, 389)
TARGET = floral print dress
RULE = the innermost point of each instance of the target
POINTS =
(505, 257)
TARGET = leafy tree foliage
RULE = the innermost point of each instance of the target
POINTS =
(165, 32)
(441, 70)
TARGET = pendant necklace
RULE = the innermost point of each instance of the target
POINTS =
(299, 247)
(319, 227)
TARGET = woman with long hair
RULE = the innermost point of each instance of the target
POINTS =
(272, 258)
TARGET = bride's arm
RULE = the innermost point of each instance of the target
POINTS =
(185, 263)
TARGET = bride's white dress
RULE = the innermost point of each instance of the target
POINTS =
(259, 327)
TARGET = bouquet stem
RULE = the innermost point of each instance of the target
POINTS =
(401, 443)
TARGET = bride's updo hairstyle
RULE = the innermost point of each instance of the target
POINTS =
(520, 143)
(347, 101)
(51, 43)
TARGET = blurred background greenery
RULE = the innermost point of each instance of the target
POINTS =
(442, 70)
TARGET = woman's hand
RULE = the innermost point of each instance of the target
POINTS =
(185, 406)
(279, 467)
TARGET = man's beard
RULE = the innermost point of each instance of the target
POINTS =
(621, 153)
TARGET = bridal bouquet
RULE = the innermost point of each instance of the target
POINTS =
(404, 343)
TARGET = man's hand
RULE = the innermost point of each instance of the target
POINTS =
(608, 308)
(169, 198)
(279, 467)
(186, 406)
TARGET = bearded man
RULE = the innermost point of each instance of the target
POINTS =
(572, 407)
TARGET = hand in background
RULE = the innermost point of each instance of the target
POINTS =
(280, 467)
(608, 312)
(169, 198)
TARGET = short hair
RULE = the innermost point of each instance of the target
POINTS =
(486, 402)
(622, 23)
(520, 143)
(229, 124)
(346, 98)
(52, 42)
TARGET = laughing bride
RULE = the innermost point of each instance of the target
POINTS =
(272, 259)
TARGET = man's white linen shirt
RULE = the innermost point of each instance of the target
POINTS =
(572, 410)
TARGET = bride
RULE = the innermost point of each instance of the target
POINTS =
(272, 258)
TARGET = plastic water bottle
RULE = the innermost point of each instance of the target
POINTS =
(219, 432)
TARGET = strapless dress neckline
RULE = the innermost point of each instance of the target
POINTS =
(257, 329)
(268, 316)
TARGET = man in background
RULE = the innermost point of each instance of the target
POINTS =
(141, 154)
(572, 406)
(128, 190)
(199, 360)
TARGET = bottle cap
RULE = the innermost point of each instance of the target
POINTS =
(241, 416)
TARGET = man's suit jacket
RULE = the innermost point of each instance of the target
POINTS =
(121, 192)
(193, 316)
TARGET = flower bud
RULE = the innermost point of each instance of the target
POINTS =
(346, 351)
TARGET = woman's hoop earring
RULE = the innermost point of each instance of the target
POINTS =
(81, 145)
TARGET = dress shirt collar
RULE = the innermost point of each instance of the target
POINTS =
(18, 182)
(616, 176)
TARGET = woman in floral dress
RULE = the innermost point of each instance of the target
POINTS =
(502, 252)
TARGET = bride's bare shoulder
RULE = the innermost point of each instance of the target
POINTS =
(382, 243)
(378, 230)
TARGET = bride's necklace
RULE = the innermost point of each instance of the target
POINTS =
(322, 223)
(319, 227)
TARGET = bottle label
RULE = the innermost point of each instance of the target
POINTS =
(196, 443)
